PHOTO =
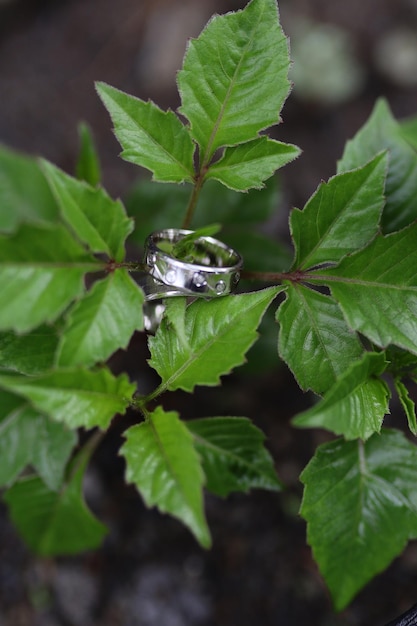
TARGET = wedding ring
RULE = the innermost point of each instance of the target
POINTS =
(210, 268)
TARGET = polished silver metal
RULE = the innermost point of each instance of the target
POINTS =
(153, 313)
(213, 269)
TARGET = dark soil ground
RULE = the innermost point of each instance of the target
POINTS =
(150, 572)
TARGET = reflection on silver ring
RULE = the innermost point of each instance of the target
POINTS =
(212, 270)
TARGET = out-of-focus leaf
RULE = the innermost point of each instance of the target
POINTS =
(262, 356)
(382, 132)
(408, 129)
(233, 455)
(18, 424)
(24, 193)
(54, 522)
(51, 451)
(98, 221)
(41, 272)
(401, 362)
(408, 405)
(33, 353)
(27, 437)
(88, 163)
(260, 253)
(156, 206)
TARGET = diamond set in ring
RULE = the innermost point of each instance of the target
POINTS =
(220, 287)
(170, 277)
(199, 280)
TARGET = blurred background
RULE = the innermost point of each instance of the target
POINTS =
(150, 572)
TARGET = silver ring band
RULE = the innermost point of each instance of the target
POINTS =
(212, 269)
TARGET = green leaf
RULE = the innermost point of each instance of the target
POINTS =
(262, 356)
(408, 405)
(24, 192)
(218, 332)
(314, 339)
(88, 164)
(221, 205)
(401, 362)
(356, 404)
(97, 220)
(102, 321)
(51, 450)
(233, 455)
(27, 437)
(360, 505)
(18, 424)
(248, 166)
(164, 466)
(377, 289)
(33, 353)
(150, 137)
(341, 217)
(408, 129)
(234, 78)
(382, 132)
(41, 272)
(54, 523)
(77, 397)
(175, 310)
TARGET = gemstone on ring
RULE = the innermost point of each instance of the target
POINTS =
(199, 280)
(170, 277)
(220, 287)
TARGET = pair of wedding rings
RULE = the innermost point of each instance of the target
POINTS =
(205, 268)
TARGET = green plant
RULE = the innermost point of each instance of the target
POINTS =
(347, 325)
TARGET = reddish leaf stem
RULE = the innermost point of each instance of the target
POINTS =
(295, 276)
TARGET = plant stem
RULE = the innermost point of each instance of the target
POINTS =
(141, 404)
(199, 181)
(146, 414)
(270, 277)
(94, 441)
(362, 460)
(128, 265)
(86, 452)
